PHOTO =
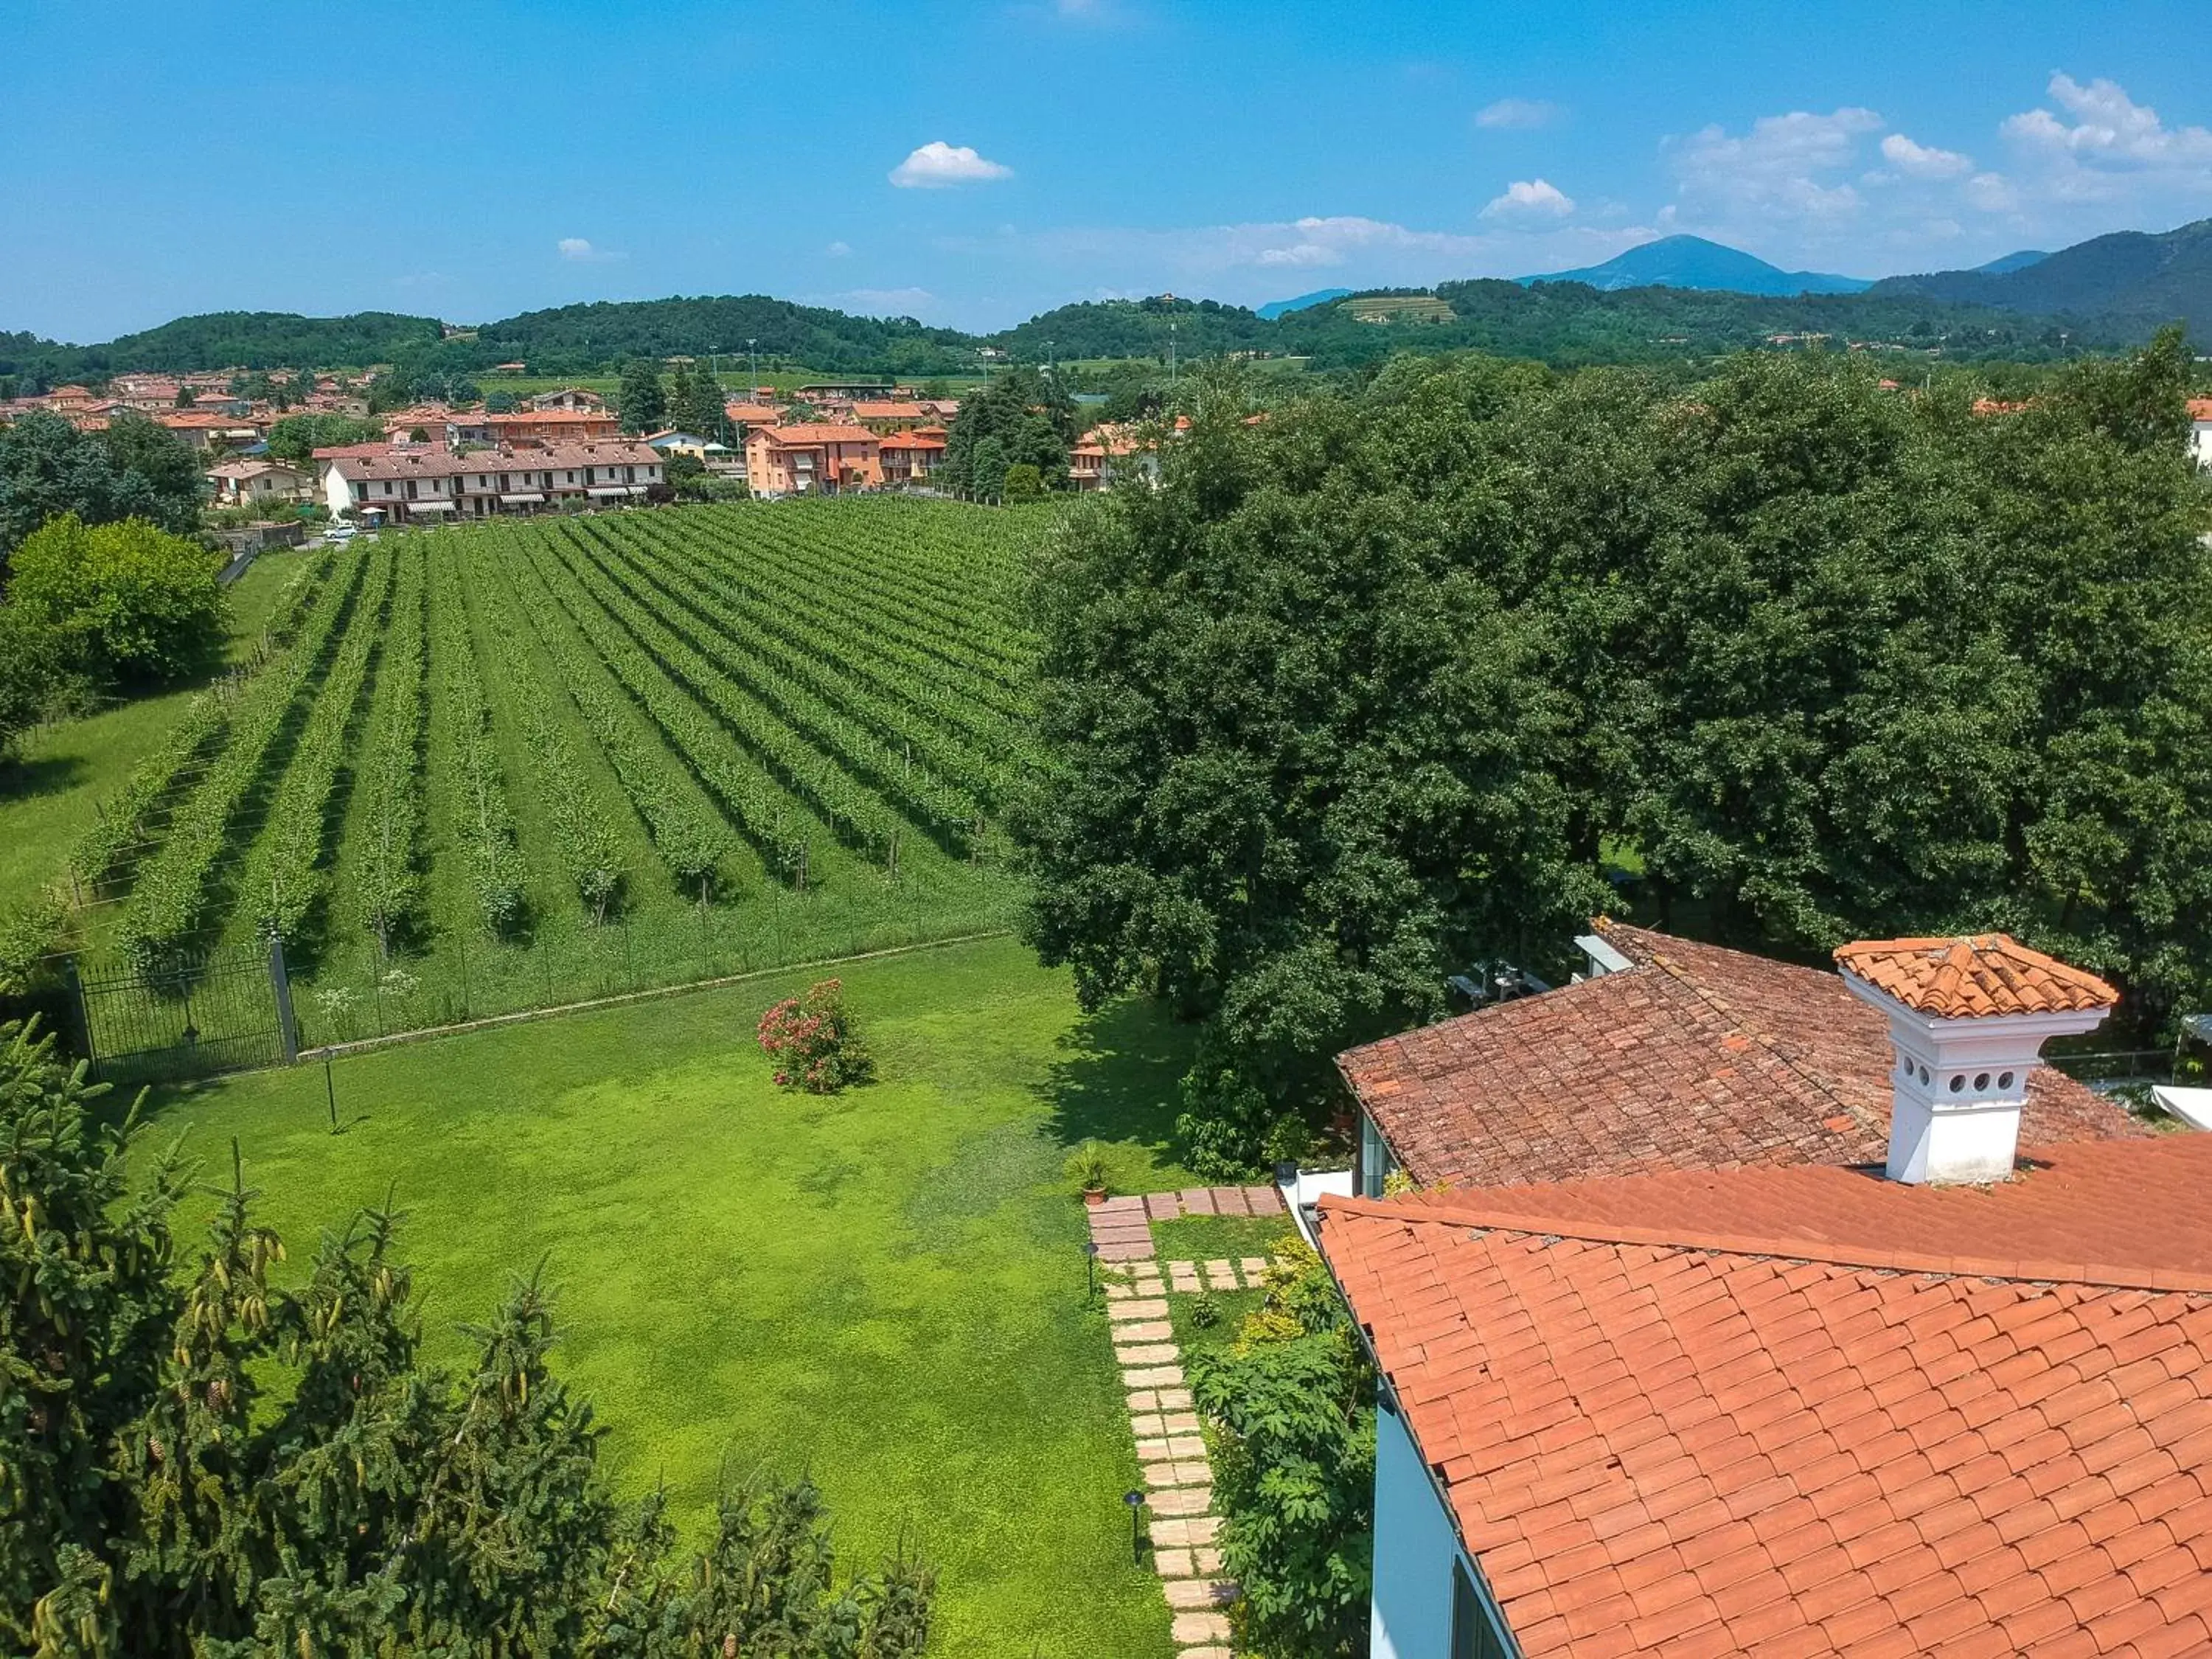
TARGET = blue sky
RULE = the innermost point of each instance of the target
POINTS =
(975, 163)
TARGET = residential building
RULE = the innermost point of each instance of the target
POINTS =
(1667, 1055)
(573, 399)
(245, 483)
(895, 415)
(715, 456)
(1105, 452)
(223, 403)
(552, 426)
(1953, 1401)
(410, 485)
(2200, 431)
(205, 431)
(815, 458)
(912, 458)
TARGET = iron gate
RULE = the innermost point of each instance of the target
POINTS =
(219, 1012)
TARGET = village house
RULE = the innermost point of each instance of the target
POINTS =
(1775, 1311)
(2200, 431)
(247, 484)
(570, 398)
(885, 418)
(205, 431)
(912, 458)
(552, 426)
(428, 484)
(816, 458)
(1106, 452)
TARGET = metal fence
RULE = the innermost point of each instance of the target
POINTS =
(224, 1010)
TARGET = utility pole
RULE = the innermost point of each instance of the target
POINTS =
(1171, 361)
(754, 356)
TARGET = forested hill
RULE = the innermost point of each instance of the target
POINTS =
(1566, 323)
(2129, 280)
(572, 338)
(225, 339)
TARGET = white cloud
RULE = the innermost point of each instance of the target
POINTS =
(838, 250)
(575, 248)
(1778, 170)
(1527, 199)
(1923, 161)
(1518, 114)
(936, 164)
(2110, 130)
(1992, 192)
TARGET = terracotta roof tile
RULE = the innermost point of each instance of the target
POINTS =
(1973, 977)
(1695, 1057)
(1741, 1385)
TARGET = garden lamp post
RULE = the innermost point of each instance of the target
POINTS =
(1135, 1499)
(1090, 1271)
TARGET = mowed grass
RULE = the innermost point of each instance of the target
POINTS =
(885, 1288)
(50, 788)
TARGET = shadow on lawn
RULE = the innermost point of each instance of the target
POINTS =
(1114, 1078)
(50, 775)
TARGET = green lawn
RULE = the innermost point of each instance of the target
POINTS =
(886, 1288)
(49, 790)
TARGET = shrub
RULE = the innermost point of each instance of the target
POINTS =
(1023, 483)
(125, 600)
(1086, 1167)
(1293, 1407)
(813, 1042)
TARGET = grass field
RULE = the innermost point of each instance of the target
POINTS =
(885, 1288)
(504, 765)
(49, 792)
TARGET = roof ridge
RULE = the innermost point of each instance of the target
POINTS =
(2029, 1270)
(1824, 1087)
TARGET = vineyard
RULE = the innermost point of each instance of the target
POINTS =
(499, 766)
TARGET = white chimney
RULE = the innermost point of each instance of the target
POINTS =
(1968, 1018)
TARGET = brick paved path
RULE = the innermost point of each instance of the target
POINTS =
(1122, 1227)
(1178, 1479)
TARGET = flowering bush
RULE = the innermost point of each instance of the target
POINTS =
(813, 1043)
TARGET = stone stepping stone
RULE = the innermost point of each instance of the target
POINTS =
(1208, 1560)
(1147, 1353)
(1175, 1399)
(1156, 1449)
(1187, 1532)
(1263, 1201)
(1147, 1425)
(1183, 1275)
(1145, 1330)
(1137, 1307)
(1178, 1474)
(1192, 1628)
(1220, 1275)
(1255, 1268)
(1175, 1564)
(1186, 1595)
(1197, 1200)
(1184, 1501)
(1162, 1206)
(1211, 1651)
(1125, 1250)
(1179, 1423)
(1185, 1446)
(1154, 1376)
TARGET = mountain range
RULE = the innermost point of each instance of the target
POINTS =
(1680, 297)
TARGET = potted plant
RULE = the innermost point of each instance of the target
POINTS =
(1086, 1167)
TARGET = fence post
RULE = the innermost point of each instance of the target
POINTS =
(84, 1017)
(279, 984)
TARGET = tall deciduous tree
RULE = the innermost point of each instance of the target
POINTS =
(135, 469)
(644, 404)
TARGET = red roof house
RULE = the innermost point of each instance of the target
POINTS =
(1755, 1392)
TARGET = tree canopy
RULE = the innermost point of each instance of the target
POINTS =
(1377, 689)
(122, 603)
(135, 469)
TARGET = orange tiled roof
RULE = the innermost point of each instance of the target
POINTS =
(1987, 974)
(2200, 409)
(919, 438)
(1696, 1057)
(818, 432)
(1810, 1412)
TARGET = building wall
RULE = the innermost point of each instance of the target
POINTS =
(2200, 438)
(1415, 1549)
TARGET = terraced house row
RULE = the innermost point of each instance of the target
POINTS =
(418, 485)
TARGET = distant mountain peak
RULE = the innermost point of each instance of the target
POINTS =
(1695, 262)
(1320, 296)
